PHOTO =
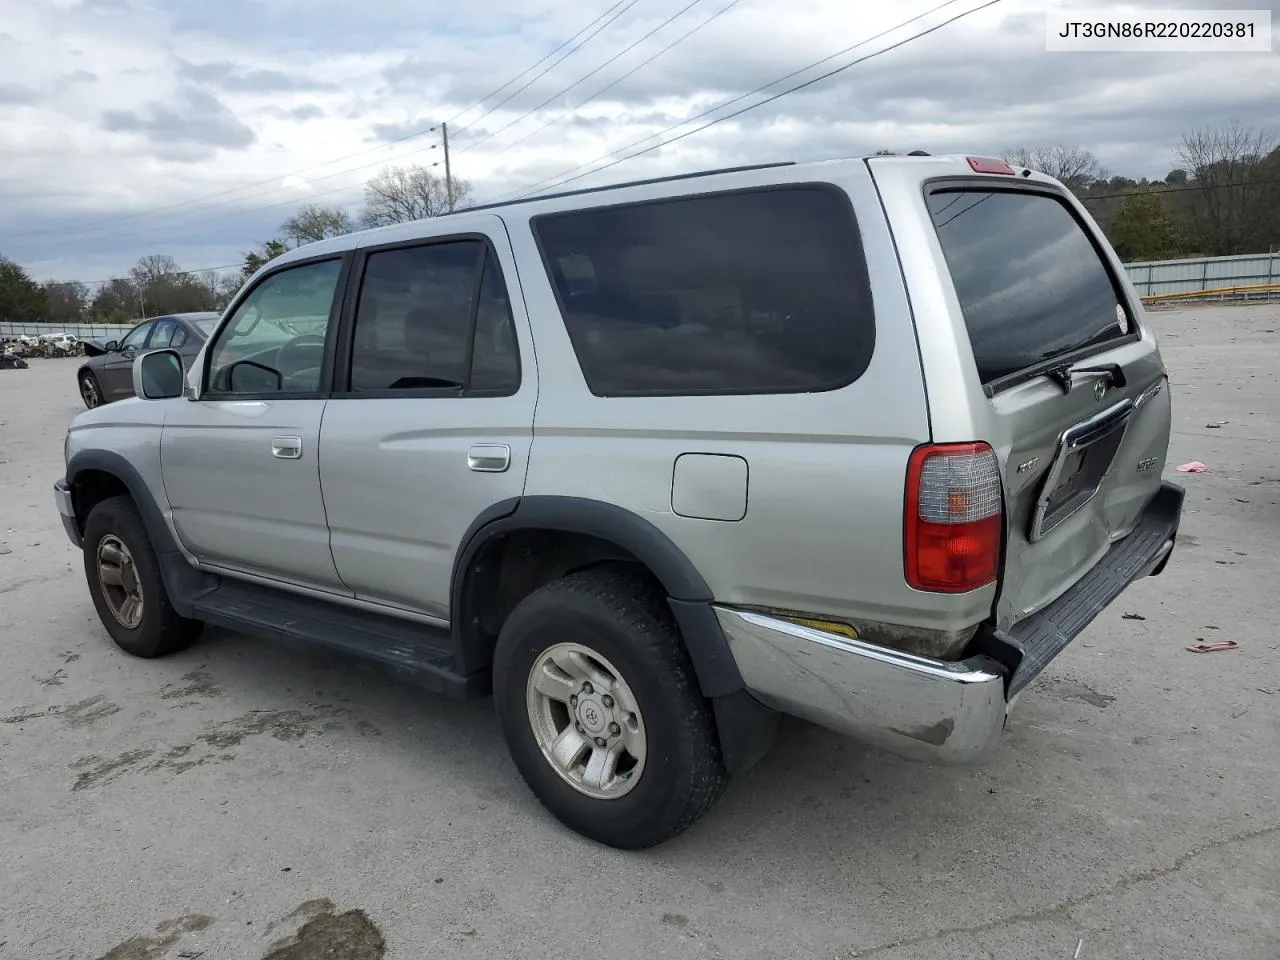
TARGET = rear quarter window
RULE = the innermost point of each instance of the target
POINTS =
(762, 291)
(1032, 286)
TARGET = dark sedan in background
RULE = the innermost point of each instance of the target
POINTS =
(107, 374)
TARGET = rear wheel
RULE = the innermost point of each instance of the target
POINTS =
(601, 710)
(90, 391)
(125, 583)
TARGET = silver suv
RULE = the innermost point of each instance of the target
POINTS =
(866, 441)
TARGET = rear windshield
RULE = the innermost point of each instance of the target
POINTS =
(1031, 284)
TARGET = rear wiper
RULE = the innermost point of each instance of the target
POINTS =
(1064, 374)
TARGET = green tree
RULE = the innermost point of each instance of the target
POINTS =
(1144, 229)
(255, 260)
(116, 302)
(68, 301)
(21, 298)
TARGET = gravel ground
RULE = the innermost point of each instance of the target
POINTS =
(249, 800)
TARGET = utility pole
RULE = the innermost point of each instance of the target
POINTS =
(448, 174)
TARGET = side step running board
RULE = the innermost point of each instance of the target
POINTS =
(416, 651)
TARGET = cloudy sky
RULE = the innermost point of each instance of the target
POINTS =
(194, 127)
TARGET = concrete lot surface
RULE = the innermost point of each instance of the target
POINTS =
(248, 800)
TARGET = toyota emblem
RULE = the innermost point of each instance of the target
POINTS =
(1099, 389)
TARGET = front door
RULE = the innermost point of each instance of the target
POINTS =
(431, 419)
(240, 463)
(117, 372)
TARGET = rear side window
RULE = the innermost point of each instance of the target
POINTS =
(1031, 284)
(748, 292)
(434, 316)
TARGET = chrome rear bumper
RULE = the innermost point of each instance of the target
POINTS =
(914, 706)
(949, 711)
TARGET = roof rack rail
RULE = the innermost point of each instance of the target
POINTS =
(629, 183)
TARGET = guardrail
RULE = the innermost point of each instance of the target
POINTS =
(1261, 291)
(1207, 278)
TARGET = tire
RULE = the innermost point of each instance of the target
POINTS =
(115, 539)
(622, 620)
(90, 390)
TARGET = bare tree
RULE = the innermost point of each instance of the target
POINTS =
(314, 222)
(1074, 166)
(1228, 167)
(152, 267)
(399, 194)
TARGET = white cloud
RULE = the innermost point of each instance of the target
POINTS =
(141, 126)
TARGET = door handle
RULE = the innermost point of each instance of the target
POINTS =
(489, 457)
(287, 448)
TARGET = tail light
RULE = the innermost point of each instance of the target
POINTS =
(954, 517)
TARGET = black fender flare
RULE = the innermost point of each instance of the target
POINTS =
(688, 594)
(183, 582)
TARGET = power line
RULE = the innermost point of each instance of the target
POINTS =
(201, 203)
(565, 43)
(175, 273)
(605, 89)
(800, 86)
(538, 76)
(1160, 192)
(556, 96)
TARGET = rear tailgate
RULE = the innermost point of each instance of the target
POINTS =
(1057, 370)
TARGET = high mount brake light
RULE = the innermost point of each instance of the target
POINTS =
(989, 165)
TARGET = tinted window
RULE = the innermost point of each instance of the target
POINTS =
(275, 340)
(1030, 282)
(179, 337)
(432, 316)
(761, 292)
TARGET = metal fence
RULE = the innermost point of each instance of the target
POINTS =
(84, 330)
(1204, 278)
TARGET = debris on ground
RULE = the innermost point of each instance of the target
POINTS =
(1213, 647)
(1195, 466)
(1133, 616)
(1216, 424)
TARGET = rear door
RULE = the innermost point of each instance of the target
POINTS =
(1074, 391)
(431, 419)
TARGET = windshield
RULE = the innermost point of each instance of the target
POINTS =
(1031, 284)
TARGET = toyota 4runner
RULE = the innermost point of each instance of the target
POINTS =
(867, 441)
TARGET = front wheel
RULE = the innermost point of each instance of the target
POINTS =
(90, 391)
(601, 711)
(125, 583)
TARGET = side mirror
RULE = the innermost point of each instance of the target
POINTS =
(158, 375)
(111, 346)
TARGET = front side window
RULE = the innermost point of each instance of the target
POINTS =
(135, 338)
(736, 293)
(434, 316)
(274, 343)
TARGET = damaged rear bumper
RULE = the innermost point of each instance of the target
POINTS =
(948, 711)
